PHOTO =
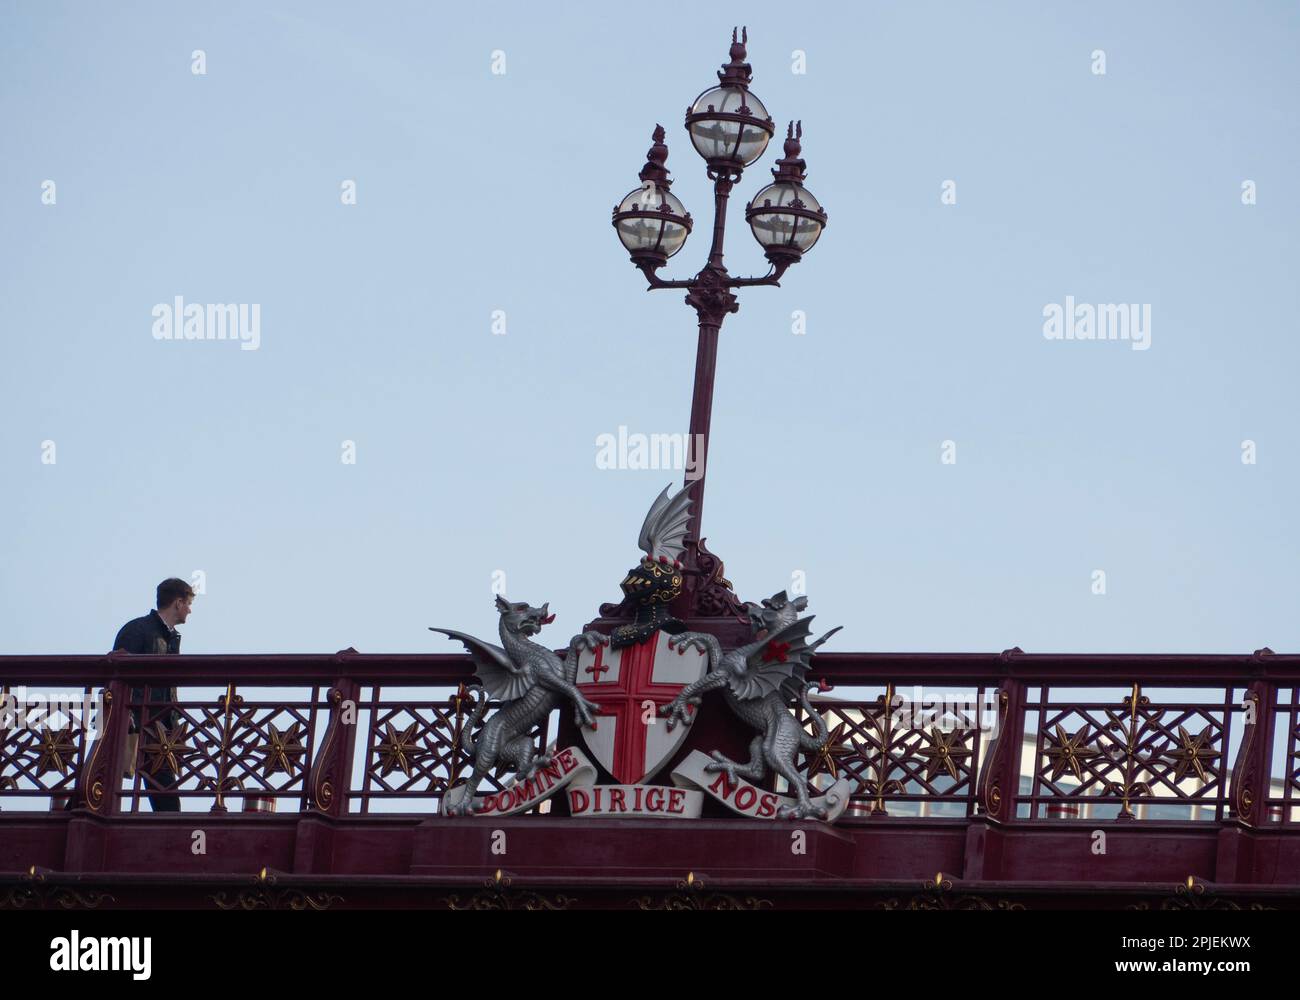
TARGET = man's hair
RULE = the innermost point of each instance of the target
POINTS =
(171, 589)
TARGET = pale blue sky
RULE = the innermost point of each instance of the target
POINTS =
(477, 192)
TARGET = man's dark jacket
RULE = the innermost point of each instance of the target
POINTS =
(149, 634)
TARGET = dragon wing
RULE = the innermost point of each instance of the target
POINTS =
(664, 529)
(781, 660)
(502, 679)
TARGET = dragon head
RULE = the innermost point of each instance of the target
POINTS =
(522, 618)
(775, 613)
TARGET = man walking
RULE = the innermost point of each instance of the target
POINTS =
(156, 633)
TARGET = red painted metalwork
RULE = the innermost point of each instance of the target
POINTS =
(704, 598)
(356, 808)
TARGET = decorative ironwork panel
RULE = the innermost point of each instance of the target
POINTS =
(231, 752)
(920, 757)
(1284, 786)
(44, 738)
(1127, 758)
(413, 749)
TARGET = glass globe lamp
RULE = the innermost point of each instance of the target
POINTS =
(651, 221)
(785, 217)
(729, 127)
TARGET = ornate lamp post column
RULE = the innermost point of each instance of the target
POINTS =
(730, 129)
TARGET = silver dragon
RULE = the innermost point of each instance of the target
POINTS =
(530, 681)
(758, 681)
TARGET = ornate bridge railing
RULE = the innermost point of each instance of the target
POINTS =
(1013, 736)
(347, 733)
(1026, 737)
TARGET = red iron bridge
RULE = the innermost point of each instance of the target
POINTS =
(987, 781)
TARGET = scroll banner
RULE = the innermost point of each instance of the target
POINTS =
(567, 766)
(634, 802)
(742, 797)
(570, 768)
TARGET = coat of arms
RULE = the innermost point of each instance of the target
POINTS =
(633, 695)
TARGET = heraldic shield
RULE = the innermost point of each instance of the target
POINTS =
(631, 740)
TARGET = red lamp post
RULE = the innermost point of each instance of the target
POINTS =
(730, 128)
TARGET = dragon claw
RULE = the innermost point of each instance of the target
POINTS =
(676, 711)
(801, 811)
(461, 808)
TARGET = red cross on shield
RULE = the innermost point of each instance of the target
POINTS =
(631, 684)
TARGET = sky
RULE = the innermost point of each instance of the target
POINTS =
(487, 146)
